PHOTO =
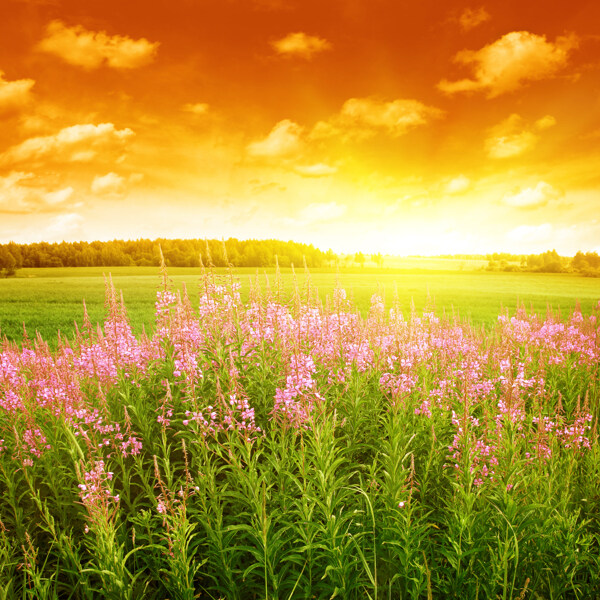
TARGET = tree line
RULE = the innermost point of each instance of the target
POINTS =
(176, 252)
(248, 253)
(587, 264)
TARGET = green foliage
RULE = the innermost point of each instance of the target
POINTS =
(587, 264)
(176, 253)
(49, 300)
(374, 496)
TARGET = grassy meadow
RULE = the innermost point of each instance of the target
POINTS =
(51, 300)
(265, 444)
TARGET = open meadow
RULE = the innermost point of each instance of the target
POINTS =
(299, 300)
(51, 300)
(262, 444)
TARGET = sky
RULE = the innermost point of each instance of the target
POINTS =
(375, 125)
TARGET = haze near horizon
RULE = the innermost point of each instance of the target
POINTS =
(356, 125)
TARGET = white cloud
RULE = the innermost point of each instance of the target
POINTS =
(358, 119)
(59, 196)
(14, 94)
(506, 146)
(21, 192)
(199, 108)
(7, 181)
(15, 197)
(300, 45)
(514, 136)
(316, 170)
(92, 49)
(458, 185)
(63, 226)
(361, 118)
(110, 184)
(283, 140)
(472, 17)
(76, 143)
(507, 63)
(535, 197)
(322, 211)
(532, 234)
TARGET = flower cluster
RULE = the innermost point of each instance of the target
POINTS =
(488, 387)
(295, 402)
(96, 492)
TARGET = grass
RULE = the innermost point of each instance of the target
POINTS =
(269, 450)
(49, 300)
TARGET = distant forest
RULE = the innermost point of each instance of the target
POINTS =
(249, 253)
(587, 264)
(177, 253)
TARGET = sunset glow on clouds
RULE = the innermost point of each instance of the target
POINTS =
(507, 63)
(91, 49)
(352, 124)
(300, 44)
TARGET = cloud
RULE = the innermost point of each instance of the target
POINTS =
(15, 197)
(545, 122)
(283, 140)
(45, 118)
(316, 170)
(20, 192)
(507, 63)
(514, 136)
(59, 196)
(322, 211)
(260, 187)
(300, 45)
(358, 119)
(531, 233)
(458, 185)
(536, 197)
(110, 184)
(14, 94)
(361, 118)
(75, 143)
(199, 108)
(92, 49)
(64, 225)
(509, 139)
(472, 17)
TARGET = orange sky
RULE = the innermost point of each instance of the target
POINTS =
(375, 125)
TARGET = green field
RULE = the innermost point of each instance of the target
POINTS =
(248, 452)
(49, 300)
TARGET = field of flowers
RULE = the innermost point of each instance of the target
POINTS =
(278, 448)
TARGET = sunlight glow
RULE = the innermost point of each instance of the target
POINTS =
(468, 130)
